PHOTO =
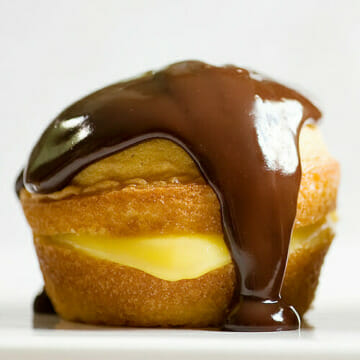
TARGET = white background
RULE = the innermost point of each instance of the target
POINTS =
(53, 52)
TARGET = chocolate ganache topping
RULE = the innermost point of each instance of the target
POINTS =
(241, 130)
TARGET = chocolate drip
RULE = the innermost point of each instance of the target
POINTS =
(240, 129)
(42, 304)
(19, 183)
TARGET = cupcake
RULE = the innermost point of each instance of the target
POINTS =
(195, 196)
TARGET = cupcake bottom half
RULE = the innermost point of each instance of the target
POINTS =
(92, 289)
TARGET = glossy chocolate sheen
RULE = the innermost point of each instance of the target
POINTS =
(240, 129)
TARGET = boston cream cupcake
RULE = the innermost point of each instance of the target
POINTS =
(178, 199)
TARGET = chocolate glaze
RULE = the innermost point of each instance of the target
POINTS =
(42, 304)
(19, 183)
(240, 129)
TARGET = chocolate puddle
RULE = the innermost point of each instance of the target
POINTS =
(241, 130)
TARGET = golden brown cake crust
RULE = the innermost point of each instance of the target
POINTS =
(179, 209)
(97, 291)
(318, 190)
(137, 211)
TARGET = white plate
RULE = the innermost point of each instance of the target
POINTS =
(335, 334)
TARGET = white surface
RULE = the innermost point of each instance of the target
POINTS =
(53, 52)
(335, 335)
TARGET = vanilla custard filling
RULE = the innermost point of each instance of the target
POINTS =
(172, 257)
(168, 257)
